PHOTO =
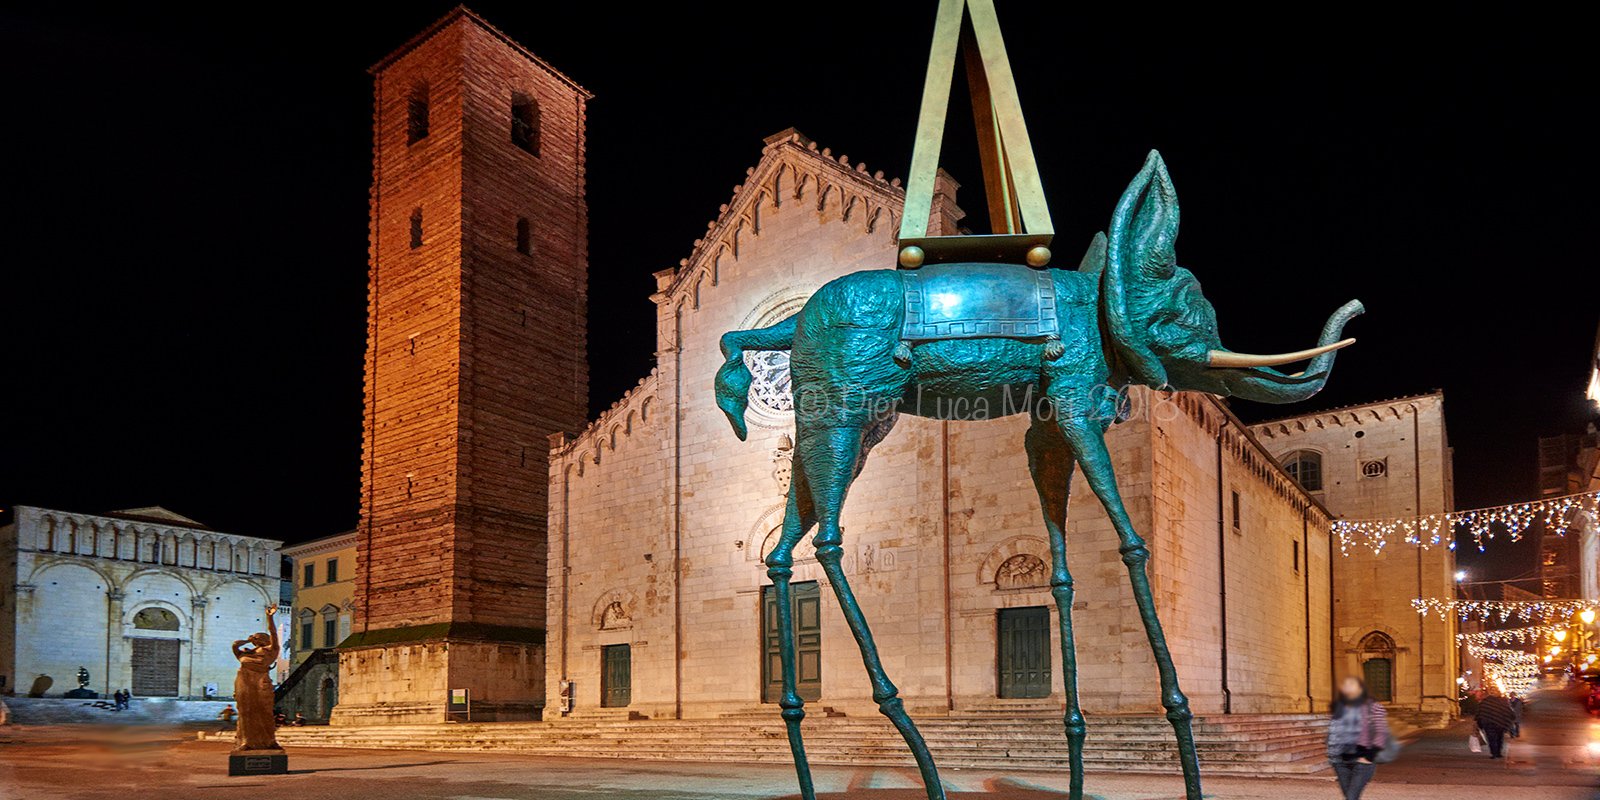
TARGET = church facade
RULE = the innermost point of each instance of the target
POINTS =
(659, 604)
(1384, 460)
(145, 600)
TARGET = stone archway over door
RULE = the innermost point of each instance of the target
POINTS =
(155, 667)
(1377, 665)
(327, 698)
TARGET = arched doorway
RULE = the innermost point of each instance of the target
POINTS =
(327, 697)
(155, 657)
(1377, 665)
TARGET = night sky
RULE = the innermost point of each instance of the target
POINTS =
(185, 256)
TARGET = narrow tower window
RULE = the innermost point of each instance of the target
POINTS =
(416, 228)
(417, 114)
(524, 236)
(525, 122)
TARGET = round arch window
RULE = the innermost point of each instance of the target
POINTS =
(771, 389)
(770, 386)
(155, 619)
(1305, 466)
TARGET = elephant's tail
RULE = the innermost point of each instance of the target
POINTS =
(733, 379)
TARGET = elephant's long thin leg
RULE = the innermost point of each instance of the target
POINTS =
(1086, 437)
(797, 519)
(831, 460)
(1051, 464)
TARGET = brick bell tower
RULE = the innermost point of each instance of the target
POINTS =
(476, 354)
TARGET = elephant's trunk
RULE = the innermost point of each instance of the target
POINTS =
(1268, 385)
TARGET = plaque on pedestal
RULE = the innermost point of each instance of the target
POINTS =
(258, 762)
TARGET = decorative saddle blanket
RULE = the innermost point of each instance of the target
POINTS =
(968, 301)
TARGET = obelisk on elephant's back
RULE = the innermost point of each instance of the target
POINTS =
(255, 742)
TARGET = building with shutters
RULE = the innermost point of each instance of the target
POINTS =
(144, 599)
(322, 575)
(322, 579)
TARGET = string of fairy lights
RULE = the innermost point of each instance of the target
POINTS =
(1541, 611)
(1532, 634)
(1557, 513)
(1514, 672)
(1503, 655)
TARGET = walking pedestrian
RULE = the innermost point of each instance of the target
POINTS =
(1496, 718)
(1358, 732)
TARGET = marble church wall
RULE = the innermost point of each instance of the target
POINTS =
(114, 594)
(1385, 460)
(659, 516)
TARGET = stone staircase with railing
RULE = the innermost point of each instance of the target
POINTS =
(1234, 744)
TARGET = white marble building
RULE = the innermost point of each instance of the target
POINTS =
(144, 599)
(659, 518)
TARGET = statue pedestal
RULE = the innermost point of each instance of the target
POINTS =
(258, 762)
(80, 694)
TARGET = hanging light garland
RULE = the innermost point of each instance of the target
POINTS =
(1513, 672)
(1503, 655)
(1529, 635)
(1503, 610)
(1557, 513)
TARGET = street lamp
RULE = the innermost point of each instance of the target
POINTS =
(1587, 615)
(1560, 634)
(1461, 575)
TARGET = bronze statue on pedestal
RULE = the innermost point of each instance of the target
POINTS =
(255, 748)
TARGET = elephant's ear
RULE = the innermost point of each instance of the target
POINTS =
(1140, 257)
(1094, 259)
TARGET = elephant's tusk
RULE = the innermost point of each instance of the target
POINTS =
(1227, 358)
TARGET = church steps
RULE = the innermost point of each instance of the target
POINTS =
(1267, 747)
(1286, 744)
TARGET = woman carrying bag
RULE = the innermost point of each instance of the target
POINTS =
(1358, 738)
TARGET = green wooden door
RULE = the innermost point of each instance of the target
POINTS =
(1024, 652)
(806, 601)
(1379, 675)
(616, 676)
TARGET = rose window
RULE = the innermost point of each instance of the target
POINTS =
(770, 387)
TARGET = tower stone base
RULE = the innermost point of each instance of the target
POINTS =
(409, 682)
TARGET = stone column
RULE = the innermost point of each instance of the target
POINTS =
(114, 653)
(197, 640)
(1588, 529)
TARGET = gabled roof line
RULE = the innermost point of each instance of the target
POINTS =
(786, 143)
